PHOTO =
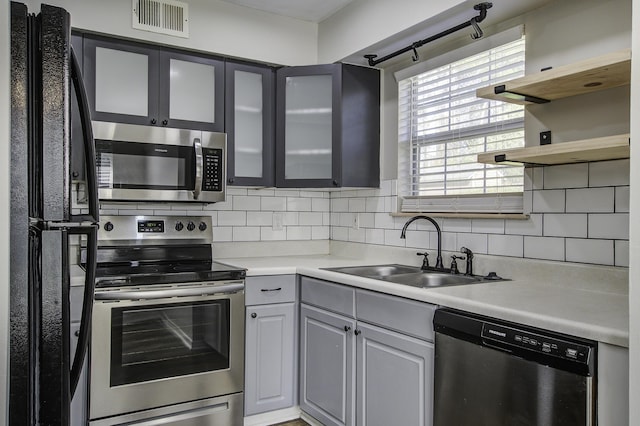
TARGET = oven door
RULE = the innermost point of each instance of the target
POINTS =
(142, 163)
(158, 347)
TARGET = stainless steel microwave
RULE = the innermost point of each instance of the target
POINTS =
(144, 163)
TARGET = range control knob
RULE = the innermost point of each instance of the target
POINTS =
(191, 226)
(179, 226)
(108, 226)
(202, 226)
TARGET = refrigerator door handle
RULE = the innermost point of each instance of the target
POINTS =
(89, 143)
(91, 232)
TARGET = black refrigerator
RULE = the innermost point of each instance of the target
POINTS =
(45, 84)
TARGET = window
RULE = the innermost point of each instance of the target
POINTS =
(443, 126)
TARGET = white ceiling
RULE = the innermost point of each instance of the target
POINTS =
(306, 10)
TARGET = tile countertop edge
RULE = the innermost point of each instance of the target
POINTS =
(606, 325)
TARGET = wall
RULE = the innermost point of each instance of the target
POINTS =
(214, 26)
(579, 213)
(634, 234)
(4, 203)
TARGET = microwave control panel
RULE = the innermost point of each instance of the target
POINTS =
(213, 169)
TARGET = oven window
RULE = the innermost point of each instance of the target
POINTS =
(131, 165)
(163, 341)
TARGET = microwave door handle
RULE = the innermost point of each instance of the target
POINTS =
(89, 142)
(197, 147)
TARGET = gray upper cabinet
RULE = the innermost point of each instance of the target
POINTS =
(141, 84)
(249, 124)
(327, 126)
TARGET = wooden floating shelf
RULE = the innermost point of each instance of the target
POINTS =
(591, 75)
(598, 149)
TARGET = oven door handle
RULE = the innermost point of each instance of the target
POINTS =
(197, 148)
(168, 293)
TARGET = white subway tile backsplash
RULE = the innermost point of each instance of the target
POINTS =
(233, 218)
(375, 204)
(357, 205)
(566, 176)
(260, 192)
(339, 233)
(286, 192)
(290, 218)
(221, 205)
(356, 235)
(386, 188)
(374, 236)
(548, 201)
(528, 179)
(621, 253)
(339, 204)
(268, 234)
(614, 226)
(384, 221)
(565, 225)
(506, 245)
(527, 202)
(246, 233)
(275, 204)
(417, 239)
(312, 194)
(298, 233)
(326, 218)
(308, 218)
(320, 204)
(320, 232)
(234, 190)
(487, 226)
(392, 238)
(298, 204)
(538, 178)
(367, 220)
(449, 241)
(622, 199)
(475, 242)
(125, 212)
(590, 251)
(456, 225)
(155, 212)
(549, 248)
(609, 173)
(530, 226)
(259, 218)
(221, 234)
(246, 203)
(590, 200)
(345, 219)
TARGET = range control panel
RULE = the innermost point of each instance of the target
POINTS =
(537, 342)
(212, 169)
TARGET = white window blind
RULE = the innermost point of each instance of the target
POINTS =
(443, 126)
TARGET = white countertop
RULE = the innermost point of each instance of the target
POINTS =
(591, 311)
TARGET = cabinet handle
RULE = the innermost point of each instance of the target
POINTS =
(335, 183)
(231, 180)
(154, 121)
(254, 315)
(271, 289)
(77, 333)
(347, 328)
(165, 122)
(356, 331)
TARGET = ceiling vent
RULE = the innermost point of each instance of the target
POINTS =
(162, 16)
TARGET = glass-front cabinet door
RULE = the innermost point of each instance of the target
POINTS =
(308, 126)
(121, 80)
(249, 124)
(191, 91)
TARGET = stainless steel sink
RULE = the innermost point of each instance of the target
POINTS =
(408, 275)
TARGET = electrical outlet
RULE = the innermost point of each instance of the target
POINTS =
(356, 221)
(278, 220)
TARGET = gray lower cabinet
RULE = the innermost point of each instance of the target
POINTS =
(370, 362)
(270, 347)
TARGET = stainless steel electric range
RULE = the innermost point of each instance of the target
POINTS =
(167, 337)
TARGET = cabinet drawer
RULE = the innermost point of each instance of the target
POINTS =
(405, 316)
(270, 289)
(326, 295)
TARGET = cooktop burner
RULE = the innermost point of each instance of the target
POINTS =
(135, 273)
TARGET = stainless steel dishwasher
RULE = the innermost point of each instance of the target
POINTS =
(490, 372)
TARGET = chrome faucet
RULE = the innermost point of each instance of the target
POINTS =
(404, 232)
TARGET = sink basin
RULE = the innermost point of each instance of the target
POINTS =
(408, 275)
(377, 271)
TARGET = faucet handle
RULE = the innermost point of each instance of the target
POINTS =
(454, 264)
(425, 260)
(466, 251)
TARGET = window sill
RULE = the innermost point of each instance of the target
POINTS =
(514, 216)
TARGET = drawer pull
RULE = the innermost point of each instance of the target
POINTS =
(271, 289)
(254, 315)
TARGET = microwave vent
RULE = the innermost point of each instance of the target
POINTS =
(169, 17)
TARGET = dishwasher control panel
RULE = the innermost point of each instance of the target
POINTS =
(537, 342)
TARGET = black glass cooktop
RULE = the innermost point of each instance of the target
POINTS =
(142, 273)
